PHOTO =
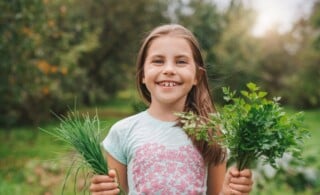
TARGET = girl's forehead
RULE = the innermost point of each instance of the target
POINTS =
(170, 44)
(170, 38)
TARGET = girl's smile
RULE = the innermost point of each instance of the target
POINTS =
(168, 83)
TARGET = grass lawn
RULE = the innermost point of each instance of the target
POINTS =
(33, 162)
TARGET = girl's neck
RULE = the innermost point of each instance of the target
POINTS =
(164, 113)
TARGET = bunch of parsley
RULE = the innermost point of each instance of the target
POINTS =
(251, 127)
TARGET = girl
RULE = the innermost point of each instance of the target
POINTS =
(150, 151)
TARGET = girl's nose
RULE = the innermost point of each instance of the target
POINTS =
(169, 68)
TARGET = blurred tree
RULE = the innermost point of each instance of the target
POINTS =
(275, 62)
(110, 66)
(315, 21)
(303, 90)
(223, 37)
(236, 51)
(19, 27)
(36, 76)
(204, 20)
(56, 52)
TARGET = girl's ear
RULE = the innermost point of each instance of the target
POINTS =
(200, 74)
(195, 82)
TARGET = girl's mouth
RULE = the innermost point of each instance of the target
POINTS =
(168, 83)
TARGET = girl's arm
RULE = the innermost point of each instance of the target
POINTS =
(108, 184)
(215, 179)
(121, 170)
(232, 182)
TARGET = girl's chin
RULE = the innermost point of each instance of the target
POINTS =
(167, 100)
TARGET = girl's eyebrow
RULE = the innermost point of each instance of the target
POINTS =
(177, 56)
(156, 56)
(183, 56)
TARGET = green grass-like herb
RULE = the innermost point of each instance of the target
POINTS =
(82, 133)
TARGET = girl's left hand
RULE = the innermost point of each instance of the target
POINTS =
(237, 182)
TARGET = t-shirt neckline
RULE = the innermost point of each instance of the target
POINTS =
(159, 120)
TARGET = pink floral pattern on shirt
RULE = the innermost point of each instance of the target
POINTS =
(157, 169)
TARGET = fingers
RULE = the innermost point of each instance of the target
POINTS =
(245, 180)
(234, 172)
(242, 188)
(104, 184)
(113, 174)
(111, 177)
(101, 178)
(246, 173)
(239, 182)
(106, 192)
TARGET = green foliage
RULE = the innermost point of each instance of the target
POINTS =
(252, 127)
(204, 20)
(82, 133)
(236, 50)
(302, 90)
(110, 65)
(138, 106)
(16, 71)
(275, 63)
(315, 21)
(35, 78)
(52, 52)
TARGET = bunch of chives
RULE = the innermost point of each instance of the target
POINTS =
(82, 133)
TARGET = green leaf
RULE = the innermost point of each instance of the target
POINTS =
(252, 87)
(245, 93)
(262, 94)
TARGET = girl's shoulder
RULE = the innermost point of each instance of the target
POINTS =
(129, 121)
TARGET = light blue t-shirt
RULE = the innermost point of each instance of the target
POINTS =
(159, 156)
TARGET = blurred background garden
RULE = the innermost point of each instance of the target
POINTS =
(56, 55)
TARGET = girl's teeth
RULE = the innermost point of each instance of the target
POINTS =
(168, 84)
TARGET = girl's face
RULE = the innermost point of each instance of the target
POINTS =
(169, 71)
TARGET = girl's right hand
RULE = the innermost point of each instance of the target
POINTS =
(105, 184)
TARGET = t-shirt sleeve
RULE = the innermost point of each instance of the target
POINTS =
(114, 144)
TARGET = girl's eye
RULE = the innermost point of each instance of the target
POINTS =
(158, 62)
(181, 62)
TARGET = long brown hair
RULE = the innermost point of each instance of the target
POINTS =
(199, 99)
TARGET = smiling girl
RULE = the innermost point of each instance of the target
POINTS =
(150, 151)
